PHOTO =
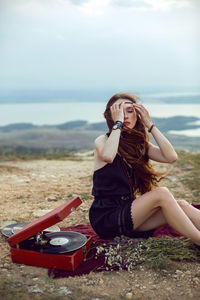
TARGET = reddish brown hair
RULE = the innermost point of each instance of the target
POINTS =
(133, 147)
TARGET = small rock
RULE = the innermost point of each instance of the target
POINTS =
(35, 279)
(129, 295)
(63, 290)
(51, 198)
(105, 294)
(90, 282)
(84, 208)
(188, 272)
(39, 213)
(187, 168)
(76, 195)
(154, 287)
(196, 280)
(178, 272)
(101, 281)
(35, 289)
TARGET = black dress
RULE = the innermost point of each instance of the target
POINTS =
(110, 213)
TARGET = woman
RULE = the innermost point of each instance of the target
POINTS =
(122, 169)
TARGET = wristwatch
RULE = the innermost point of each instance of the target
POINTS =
(117, 125)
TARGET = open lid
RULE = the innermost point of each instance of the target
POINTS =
(45, 221)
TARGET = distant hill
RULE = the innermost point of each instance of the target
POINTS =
(164, 124)
(176, 123)
(80, 135)
(17, 126)
(71, 125)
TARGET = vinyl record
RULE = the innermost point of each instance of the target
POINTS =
(11, 229)
(18, 227)
(53, 228)
(63, 242)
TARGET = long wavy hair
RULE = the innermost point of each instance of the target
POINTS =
(133, 147)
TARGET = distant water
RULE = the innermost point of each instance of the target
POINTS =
(58, 113)
(51, 113)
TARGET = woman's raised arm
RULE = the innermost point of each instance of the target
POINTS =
(164, 152)
(107, 147)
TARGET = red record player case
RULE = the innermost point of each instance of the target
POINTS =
(67, 261)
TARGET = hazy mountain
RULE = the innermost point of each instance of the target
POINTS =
(80, 135)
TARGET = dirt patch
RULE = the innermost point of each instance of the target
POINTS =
(31, 186)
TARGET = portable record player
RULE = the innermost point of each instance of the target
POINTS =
(63, 250)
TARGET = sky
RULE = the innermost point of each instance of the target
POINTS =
(99, 44)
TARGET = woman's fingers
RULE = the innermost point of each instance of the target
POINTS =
(141, 109)
(117, 111)
(144, 114)
(117, 106)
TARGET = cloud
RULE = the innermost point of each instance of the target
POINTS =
(160, 5)
(51, 9)
(64, 43)
(95, 7)
(130, 3)
(78, 2)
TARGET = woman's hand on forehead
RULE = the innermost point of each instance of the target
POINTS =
(128, 103)
(117, 111)
(124, 101)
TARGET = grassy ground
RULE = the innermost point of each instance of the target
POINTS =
(191, 164)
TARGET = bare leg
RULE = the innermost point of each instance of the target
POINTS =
(192, 212)
(158, 219)
(152, 202)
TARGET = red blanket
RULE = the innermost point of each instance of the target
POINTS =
(97, 264)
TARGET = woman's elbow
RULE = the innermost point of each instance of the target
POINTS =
(173, 158)
(107, 158)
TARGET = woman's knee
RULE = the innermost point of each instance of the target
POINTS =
(163, 195)
(183, 203)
